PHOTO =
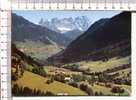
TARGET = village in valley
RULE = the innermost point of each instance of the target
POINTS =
(95, 63)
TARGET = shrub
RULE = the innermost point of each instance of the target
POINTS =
(117, 89)
(89, 91)
(83, 87)
(77, 78)
(39, 71)
(48, 81)
(108, 85)
(74, 84)
(60, 78)
(98, 93)
(86, 88)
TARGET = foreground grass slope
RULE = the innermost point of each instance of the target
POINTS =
(35, 81)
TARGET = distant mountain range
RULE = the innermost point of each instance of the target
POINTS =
(36, 41)
(105, 33)
(23, 30)
(71, 27)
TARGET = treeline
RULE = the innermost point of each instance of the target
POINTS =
(104, 76)
(117, 68)
(40, 71)
(26, 91)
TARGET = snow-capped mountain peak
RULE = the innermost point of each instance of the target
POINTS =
(64, 25)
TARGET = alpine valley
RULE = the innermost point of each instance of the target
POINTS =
(71, 57)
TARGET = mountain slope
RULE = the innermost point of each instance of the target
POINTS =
(33, 81)
(23, 30)
(102, 34)
(73, 34)
(19, 56)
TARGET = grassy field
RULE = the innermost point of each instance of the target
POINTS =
(52, 70)
(123, 73)
(104, 90)
(127, 89)
(35, 81)
(97, 66)
(107, 91)
(100, 66)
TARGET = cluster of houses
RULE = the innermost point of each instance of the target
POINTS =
(56, 71)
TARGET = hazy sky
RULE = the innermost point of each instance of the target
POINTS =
(35, 16)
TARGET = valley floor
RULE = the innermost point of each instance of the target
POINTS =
(87, 74)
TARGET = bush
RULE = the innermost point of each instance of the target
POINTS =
(89, 91)
(77, 78)
(60, 78)
(73, 67)
(83, 87)
(86, 88)
(74, 84)
(98, 93)
(117, 89)
(51, 80)
(39, 71)
(48, 81)
(108, 85)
